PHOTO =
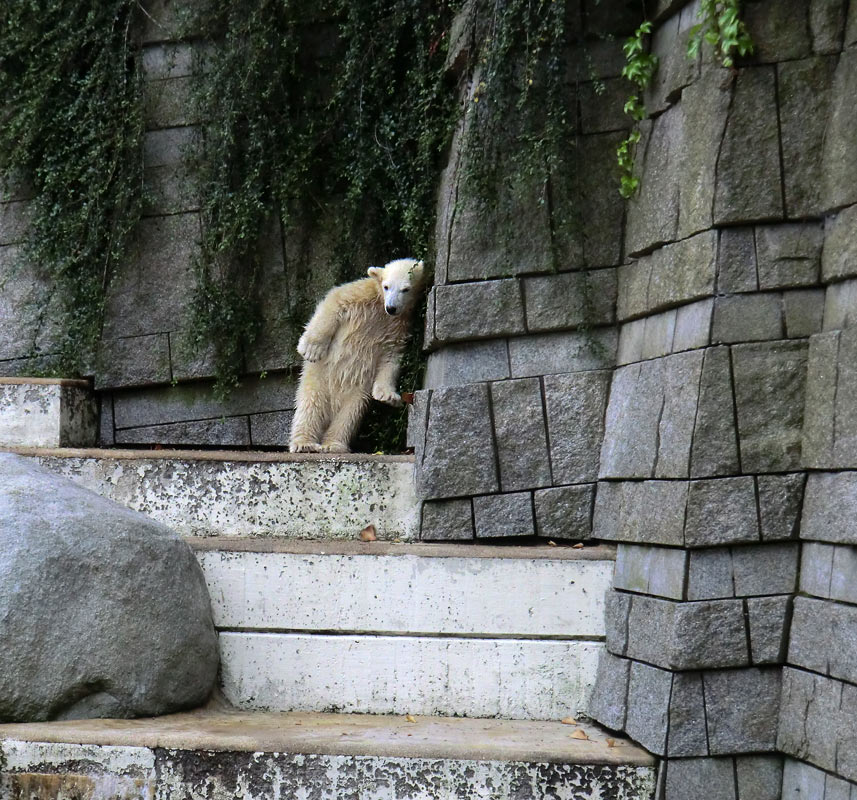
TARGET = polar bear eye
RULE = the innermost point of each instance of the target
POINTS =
(406, 289)
(386, 286)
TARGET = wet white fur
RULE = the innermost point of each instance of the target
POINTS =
(351, 349)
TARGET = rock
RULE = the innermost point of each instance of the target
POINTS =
(804, 95)
(747, 318)
(459, 416)
(575, 405)
(780, 501)
(103, 612)
(741, 709)
(478, 310)
(608, 703)
(519, 430)
(788, 255)
(804, 310)
(695, 778)
(759, 777)
(570, 300)
(839, 165)
(468, 362)
(770, 380)
(687, 736)
(648, 706)
(134, 361)
(447, 520)
(779, 31)
(564, 512)
(839, 259)
(714, 450)
(721, 511)
(736, 261)
(502, 515)
(748, 169)
(769, 626)
(659, 571)
(839, 306)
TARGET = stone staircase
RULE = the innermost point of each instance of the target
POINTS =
(387, 669)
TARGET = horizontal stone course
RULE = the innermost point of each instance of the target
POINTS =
(676, 635)
(570, 300)
(707, 573)
(559, 352)
(564, 512)
(478, 310)
(678, 513)
(674, 274)
(231, 431)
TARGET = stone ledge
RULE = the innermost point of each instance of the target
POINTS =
(339, 734)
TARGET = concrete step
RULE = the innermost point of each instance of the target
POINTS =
(226, 493)
(44, 412)
(387, 628)
(227, 754)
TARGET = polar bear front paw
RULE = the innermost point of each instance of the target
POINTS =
(312, 349)
(304, 447)
(385, 394)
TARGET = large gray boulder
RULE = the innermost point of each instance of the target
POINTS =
(103, 612)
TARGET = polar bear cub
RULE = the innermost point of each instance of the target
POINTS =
(352, 347)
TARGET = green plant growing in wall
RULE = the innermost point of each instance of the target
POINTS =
(723, 29)
(519, 127)
(72, 126)
(640, 66)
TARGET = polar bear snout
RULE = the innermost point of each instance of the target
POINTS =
(391, 310)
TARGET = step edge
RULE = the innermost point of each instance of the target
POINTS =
(294, 735)
(355, 547)
(237, 456)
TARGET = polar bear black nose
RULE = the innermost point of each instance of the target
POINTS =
(391, 310)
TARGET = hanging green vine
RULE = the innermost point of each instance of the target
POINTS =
(72, 123)
(520, 132)
(723, 29)
(639, 68)
(331, 113)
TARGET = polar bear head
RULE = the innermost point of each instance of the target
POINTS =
(400, 281)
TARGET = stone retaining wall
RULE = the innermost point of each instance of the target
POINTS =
(671, 394)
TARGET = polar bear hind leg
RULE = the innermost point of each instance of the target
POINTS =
(348, 411)
(312, 412)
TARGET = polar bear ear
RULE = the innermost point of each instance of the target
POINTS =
(375, 272)
(417, 271)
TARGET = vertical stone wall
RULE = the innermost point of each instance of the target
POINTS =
(154, 386)
(701, 407)
(521, 324)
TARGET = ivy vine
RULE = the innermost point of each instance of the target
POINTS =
(721, 27)
(71, 123)
(520, 132)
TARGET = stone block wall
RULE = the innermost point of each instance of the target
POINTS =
(145, 348)
(686, 380)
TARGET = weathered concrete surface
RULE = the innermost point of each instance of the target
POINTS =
(251, 494)
(324, 756)
(103, 612)
(381, 674)
(42, 412)
(427, 589)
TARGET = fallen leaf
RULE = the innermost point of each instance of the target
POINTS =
(610, 742)
(579, 734)
(569, 721)
(551, 543)
(368, 534)
(407, 398)
(577, 546)
(410, 718)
